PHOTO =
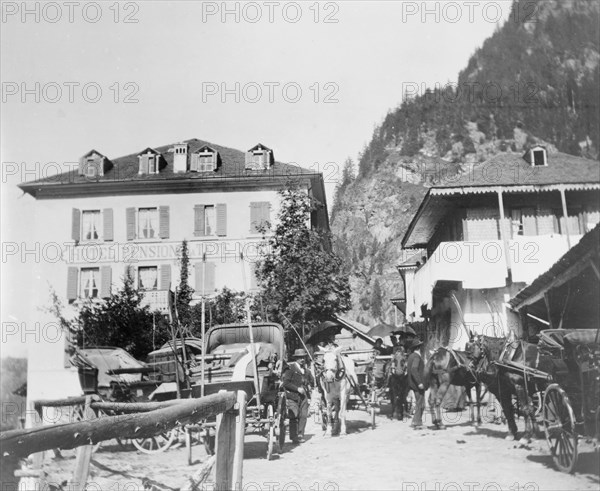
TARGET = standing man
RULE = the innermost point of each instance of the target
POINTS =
(416, 383)
(297, 381)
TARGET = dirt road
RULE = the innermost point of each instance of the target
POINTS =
(392, 456)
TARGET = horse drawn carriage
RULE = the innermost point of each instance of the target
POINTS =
(236, 360)
(561, 376)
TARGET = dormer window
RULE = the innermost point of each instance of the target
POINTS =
(150, 161)
(93, 164)
(259, 158)
(205, 159)
(537, 156)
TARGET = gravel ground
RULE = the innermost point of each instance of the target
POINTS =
(391, 456)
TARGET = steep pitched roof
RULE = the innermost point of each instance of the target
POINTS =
(125, 170)
(511, 169)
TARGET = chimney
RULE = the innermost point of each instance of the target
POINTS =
(180, 157)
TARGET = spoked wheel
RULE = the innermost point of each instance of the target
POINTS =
(373, 401)
(559, 427)
(271, 437)
(155, 444)
(280, 423)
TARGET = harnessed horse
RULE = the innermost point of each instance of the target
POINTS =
(485, 351)
(449, 367)
(336, 379)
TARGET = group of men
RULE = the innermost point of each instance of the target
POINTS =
(298, 381)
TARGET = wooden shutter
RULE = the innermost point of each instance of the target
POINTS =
(253, 279)
(221, 212)
(163, 222)
(164, 277)
(529, 221)
(107, 225)
(105, 281)
(130, 220)
(143, 164)
(207, 269)
(72, 287)
(76, 225)
(199, 220)
(265, 213)
(254, 217)
(194, 162)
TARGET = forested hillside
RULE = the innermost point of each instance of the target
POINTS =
(535, 80)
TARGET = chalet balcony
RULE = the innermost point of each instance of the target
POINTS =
(156, 300)
(485, 264)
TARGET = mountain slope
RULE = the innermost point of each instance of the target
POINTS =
(534, 81)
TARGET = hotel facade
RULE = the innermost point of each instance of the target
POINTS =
(133, 213)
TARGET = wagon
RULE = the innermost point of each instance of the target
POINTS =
(228, 364)
(567, 379)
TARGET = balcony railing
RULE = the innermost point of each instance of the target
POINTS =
(156, 300)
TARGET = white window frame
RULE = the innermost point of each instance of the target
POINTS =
(94, 277)
(138, 223)
(99, 230)
(139, 277)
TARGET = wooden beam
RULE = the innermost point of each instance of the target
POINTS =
(134, 407)
(140, 425)
(503, 231)
(563, 201)
(240, 432)
(82, 463)
(225, 447)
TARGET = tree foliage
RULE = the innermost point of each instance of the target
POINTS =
(121, 321)
(184, 291)
(301, 277)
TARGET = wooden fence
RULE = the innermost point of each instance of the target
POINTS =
(141, 420)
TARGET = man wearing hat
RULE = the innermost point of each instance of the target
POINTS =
(297, 381)
(416, 383)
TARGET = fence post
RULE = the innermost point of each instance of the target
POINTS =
(240, 431)
(84, 456)
(230, 431)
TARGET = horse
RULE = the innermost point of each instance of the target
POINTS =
(502, 383)
(397, 379)
(336, 379)
(448, 367)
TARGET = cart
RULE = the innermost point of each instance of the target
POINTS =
(233, 361)
(567, 381)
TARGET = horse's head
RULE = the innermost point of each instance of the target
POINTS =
(331, 365)
(398, 365)
(474, 347)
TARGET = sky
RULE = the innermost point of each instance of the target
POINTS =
(309, 79)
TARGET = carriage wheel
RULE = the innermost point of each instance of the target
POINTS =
(559, 427)
(271, 437)
(372, 408)
(280, 422)
(155, 444)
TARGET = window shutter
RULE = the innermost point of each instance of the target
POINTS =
(105, 281)
(249, 159)
(76, 225)
(254, 211)
(529, 221)
(253, 279)
(194, 162)
(163, 222)
(107, 226)
(165, 277)
(143, 164)
(207, 269)
(199, 220)
(72, 277)
(130, 220)
(210, 277)
(221, 219)
(265, 213)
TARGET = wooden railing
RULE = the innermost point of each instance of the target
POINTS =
(138, 420)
